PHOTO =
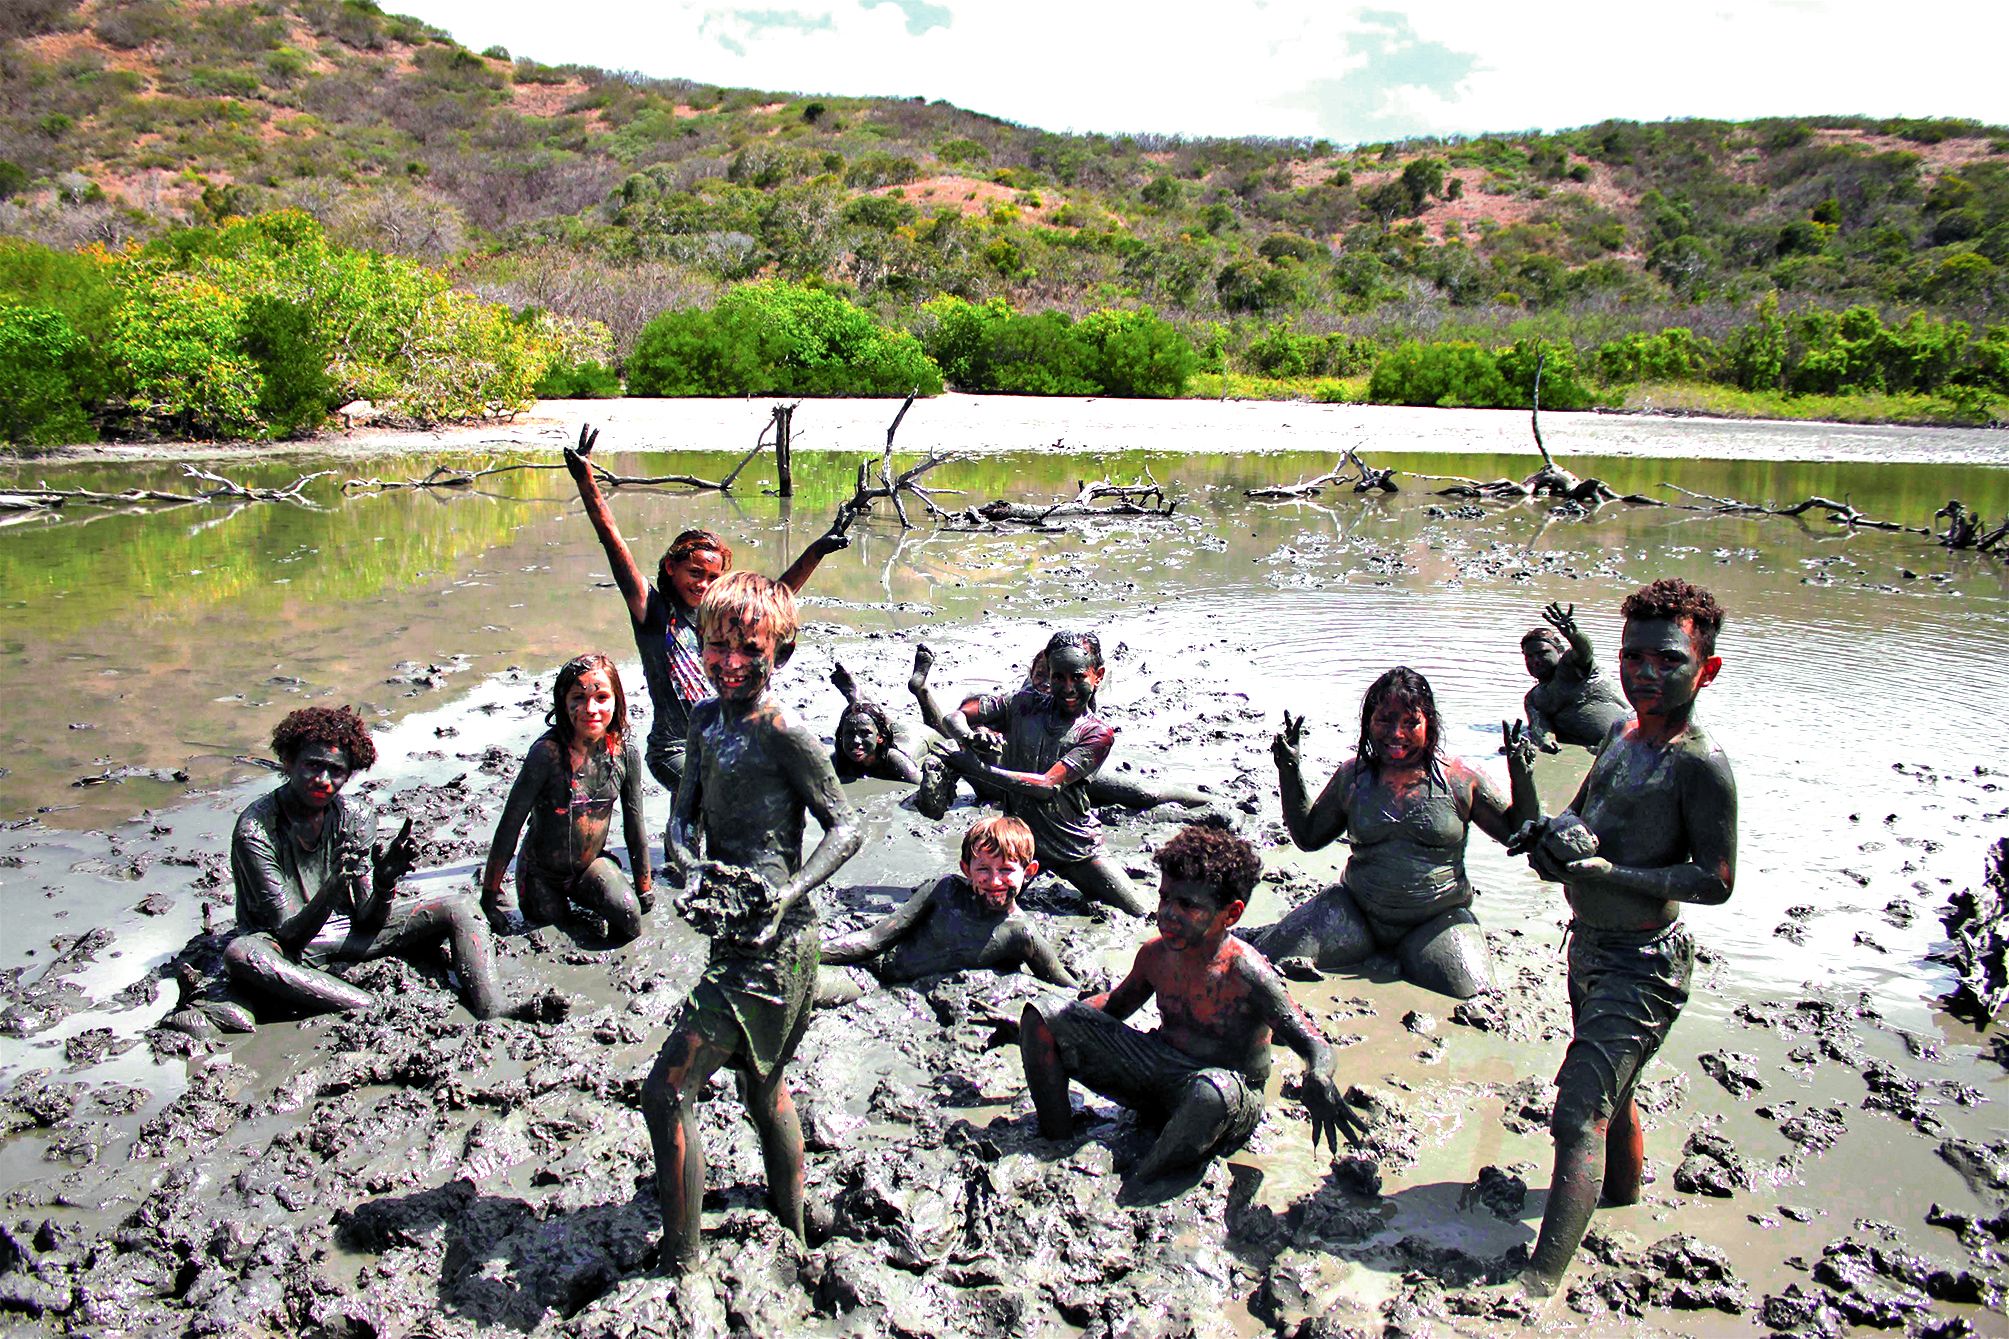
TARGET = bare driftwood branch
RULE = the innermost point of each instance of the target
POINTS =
(1841, 513)
(220, 490)
(453, 476)
(1963, 529)
(1303, 488)
(1371, 480)
(1145, 498)
(891, 485)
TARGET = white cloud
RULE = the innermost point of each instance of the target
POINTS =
(1292, 67)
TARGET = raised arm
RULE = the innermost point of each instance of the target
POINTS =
(388, 864)
(1331, 1117)
(798, 573)
(1311, 826)
(627, 574)
(1496, 818)
(890, 928)
(634, 826)
(1564, 620)
(530, 781)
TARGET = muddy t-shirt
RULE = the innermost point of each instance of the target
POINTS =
(275, 875)
(1064, 827)
(670, 647)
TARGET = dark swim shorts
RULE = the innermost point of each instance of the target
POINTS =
(1626, 989)
(1145, 1072)
(757, 1005)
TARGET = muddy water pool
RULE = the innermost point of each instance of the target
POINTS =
(1862, 700)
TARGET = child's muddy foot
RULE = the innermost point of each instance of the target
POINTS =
(937, 789)
(841, 680)
(924, 661)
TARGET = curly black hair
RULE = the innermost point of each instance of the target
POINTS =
(1215, 857)
(1673, 598)
(340, 727)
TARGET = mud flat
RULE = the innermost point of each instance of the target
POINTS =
(1825, 1145)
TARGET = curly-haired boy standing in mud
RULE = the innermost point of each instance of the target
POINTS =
(1662, 805)
(1201, 1074)
(751, 772)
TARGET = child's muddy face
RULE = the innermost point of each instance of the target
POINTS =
(1659, 666)
(1401, 733)
(317, 774)
(1190, 914)
(1541, 658)
(997, 878)
(692, 575)
(1072, 680)
(858, 738)
(589, 707)
(739, 661)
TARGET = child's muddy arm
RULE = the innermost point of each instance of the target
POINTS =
(900, 766)
(1045, 963)
(680, 851)
(1311, 826)
(1564, 621)
(1706, 878)
(1541, 730)
(807, 767)
(895, 925)
(627, 574)
(1131, 994)
(798, 573)
(1331, 1117)
(530, 780)
(1497, 819)
(634, 824)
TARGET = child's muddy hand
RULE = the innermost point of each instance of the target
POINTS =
(575, 456)
(1284, 747)
(1517, 743)
(987, 743)
(1547, 867)
(1331, 1117)
(1590, 867)
(393, 861)
(962, 762)
(1561, 619)
(1528, 836)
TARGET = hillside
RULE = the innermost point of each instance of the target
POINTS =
(604, 195)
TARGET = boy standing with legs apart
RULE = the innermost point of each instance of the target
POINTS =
(1654, 825)
(750, 773)
(1201, 1074)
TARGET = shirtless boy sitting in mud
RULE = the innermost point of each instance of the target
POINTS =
(751, 773)
(1571, 702)
(1047, 744)
(1201, 1074)
(313, 887)
(1654, 825)
(963, 921)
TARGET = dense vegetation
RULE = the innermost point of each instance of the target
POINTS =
(1805, 256)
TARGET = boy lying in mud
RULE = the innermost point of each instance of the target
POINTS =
(566, 792)
(751, 772)
(1047, 745)
(1654, 825)
(313, 887)
(962, 921)
(1571, 702)
(1201, 1074)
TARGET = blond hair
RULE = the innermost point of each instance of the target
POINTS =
(752, 601)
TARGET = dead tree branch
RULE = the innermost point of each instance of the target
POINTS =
(1303, 488)
(221, 490)
(1145, 498)
(1841, 513)
(1963, 529)
(891, 485)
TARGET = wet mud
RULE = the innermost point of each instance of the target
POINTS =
(1823, 1158)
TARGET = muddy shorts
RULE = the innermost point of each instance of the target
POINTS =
(757, 1005)
(1626, 989)
(1143, 1071)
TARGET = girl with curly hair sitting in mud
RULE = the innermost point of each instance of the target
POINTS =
(313, 887)
(566, 791)
(1406, 810)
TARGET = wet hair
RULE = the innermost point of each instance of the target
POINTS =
(1215, 857)
(570, 673)
(1087, 643)
(754, 601)
(340, 727)
(1544, 633)
(1001, 835)
(1673, 598)
(1405, 688)
(696, 541)
(873, 712)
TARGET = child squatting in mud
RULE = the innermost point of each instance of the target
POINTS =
(1052, 742)
(566, 791)
(1571, 702)
(751, 772)
(1201, 1074)
(313, 887)
(966, 920)
(1654, 825)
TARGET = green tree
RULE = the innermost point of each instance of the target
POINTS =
(44, 371)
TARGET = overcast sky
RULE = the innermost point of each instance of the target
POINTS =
(1295, 67)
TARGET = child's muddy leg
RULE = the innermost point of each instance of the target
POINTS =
(256, 964)
(1045, 1074)
(1194, 1129)
(604, 890)
(1329, 929)
(669, 1109)
(1102, 880)
(1448, 954)
(1580, 1135)
(835, 986)
(540, 900)
(1624, 1155)
(772, 1108)
(458, 919)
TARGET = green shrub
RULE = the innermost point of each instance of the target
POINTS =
(13, 179)
(1137, 354)
(1563, 386)
(1673, 354)
(577, 381)
(777, 338)
(292, 360)
(1282, 352)
(178, 361)
(1457, 373)
(44, 372)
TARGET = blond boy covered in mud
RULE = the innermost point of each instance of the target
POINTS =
(1653, 826)
(751, 773)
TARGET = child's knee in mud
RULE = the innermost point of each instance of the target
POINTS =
(1581, 1112)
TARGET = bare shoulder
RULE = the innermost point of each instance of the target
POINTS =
(1249, 965)
(1702, 757)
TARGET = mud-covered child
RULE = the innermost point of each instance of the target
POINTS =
(1049, 743)
(752, 772)
(566, 791)
(962, 921)
(314, 887)
(1661, 806)
(1200, 1076)
(1572, 702)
